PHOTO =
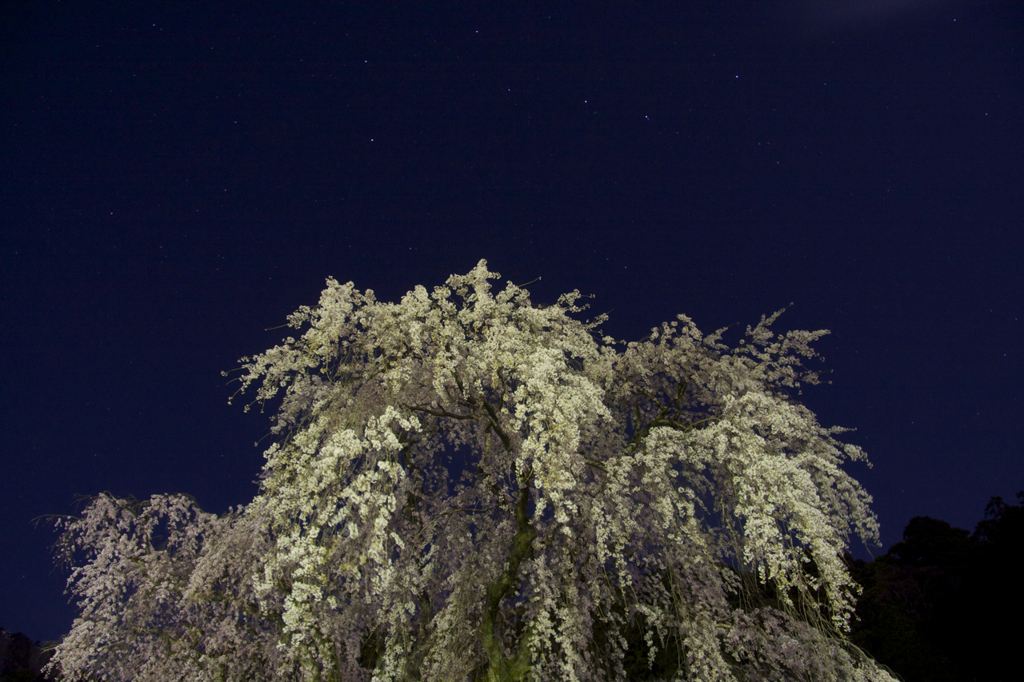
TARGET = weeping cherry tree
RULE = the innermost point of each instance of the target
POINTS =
(468, 486)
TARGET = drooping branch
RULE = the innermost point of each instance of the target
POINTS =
(669, 414)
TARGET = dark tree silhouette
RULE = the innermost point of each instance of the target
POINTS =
(997, 600)
(936, 607)
(21, 659)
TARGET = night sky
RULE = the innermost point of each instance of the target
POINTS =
(174, 182)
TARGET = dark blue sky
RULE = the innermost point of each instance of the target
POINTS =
(173, 183)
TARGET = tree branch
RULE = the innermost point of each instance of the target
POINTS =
(522, 548)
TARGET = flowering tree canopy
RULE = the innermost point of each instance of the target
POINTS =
(467, 486)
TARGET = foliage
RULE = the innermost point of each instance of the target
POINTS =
(21, 659)
(469, 486)
(937, 606)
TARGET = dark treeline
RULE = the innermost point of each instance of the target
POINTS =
(945, 605)
(942, 605)
(21, 659)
